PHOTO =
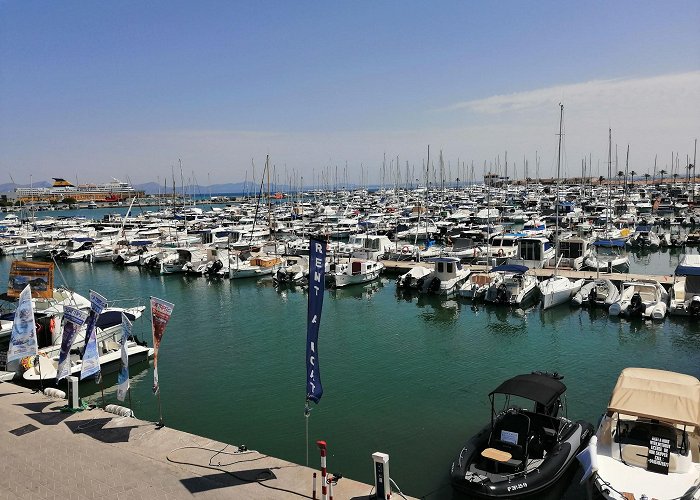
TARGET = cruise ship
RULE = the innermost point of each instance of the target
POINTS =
(115, 190)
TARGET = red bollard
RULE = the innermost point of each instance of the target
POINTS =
(324, 484)
(314, 487)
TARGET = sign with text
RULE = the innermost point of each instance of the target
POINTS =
(659, 454)
(39, 275)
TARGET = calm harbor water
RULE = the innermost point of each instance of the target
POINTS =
(403, 374)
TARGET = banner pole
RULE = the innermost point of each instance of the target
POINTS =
(160, 423)
(102, 390)
(307, 412)
(131, 405)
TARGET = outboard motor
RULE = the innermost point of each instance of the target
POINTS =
(694, 307)
(214, 267)
(419, 283)
(636, 306)
(593, 295)
(434, 285)
(502, 294)
(118, 260)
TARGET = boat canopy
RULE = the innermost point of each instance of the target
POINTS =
(140, 243)
(112, 318)
(688, 266)
(609, 243)
(643, 229)
(657, 394)
(510, 268)
(536, 387)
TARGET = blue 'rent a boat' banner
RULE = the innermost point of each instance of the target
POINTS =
(317, 271)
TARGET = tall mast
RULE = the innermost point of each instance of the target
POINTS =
(556, 200)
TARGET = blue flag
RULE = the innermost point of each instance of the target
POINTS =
(123, 376)
(91, 358)
(317, 271)
(73, 320)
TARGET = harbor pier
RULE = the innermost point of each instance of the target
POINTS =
(402, 266)
(49, 452)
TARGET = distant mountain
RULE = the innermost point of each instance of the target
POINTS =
(237, 187)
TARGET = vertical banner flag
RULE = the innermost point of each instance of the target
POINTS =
(123, 376)
(73, 320)
(317, 271)
(23, 337)
(91, 358)
(160, 314)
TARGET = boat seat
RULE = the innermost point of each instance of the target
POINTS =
(511, 433)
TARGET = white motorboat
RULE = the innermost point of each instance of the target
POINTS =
(294, 270)
(478, 283)
(182, 260)
(557, 290)
(254, 267)
(446, 277)
(685, 292)
(534, 252)
(644, 237)
(109, 358)
(357, 271)
(646, 298)
(647, 443)
(600, 292)
(609, 256)
(516, 287)
(414, 278)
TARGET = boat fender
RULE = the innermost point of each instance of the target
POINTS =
(119, 410)
(52, 392)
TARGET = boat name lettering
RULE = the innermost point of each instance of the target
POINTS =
(516, 487)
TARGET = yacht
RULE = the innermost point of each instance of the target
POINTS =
(357, 271)
(446, 277)
(557, 290)
(534, 252)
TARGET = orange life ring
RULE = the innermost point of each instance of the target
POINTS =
(405, 249)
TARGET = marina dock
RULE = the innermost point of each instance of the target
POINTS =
(402, 266)
(51, 453)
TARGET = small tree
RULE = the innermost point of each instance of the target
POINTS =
(646, 177)
(632, 174)
(662, 172)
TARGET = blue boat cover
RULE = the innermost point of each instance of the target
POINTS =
(643, 229)
(609, 243)
(83, 240)
(510, 268)
(140, 243)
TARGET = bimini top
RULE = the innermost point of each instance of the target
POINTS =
(510, 268)
(609, 243)
(658, 394)
(688, 266)
(536, 387)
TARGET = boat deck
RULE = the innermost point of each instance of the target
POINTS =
(665, 280)
(95, 454)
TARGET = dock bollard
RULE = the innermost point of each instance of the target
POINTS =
(330, 489)
(382, 483)
(314, 487)
(324, 484)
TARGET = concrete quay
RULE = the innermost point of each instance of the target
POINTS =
(50, 454)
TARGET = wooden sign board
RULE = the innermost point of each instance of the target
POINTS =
(38, 275)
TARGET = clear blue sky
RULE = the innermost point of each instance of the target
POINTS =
(125, 88)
